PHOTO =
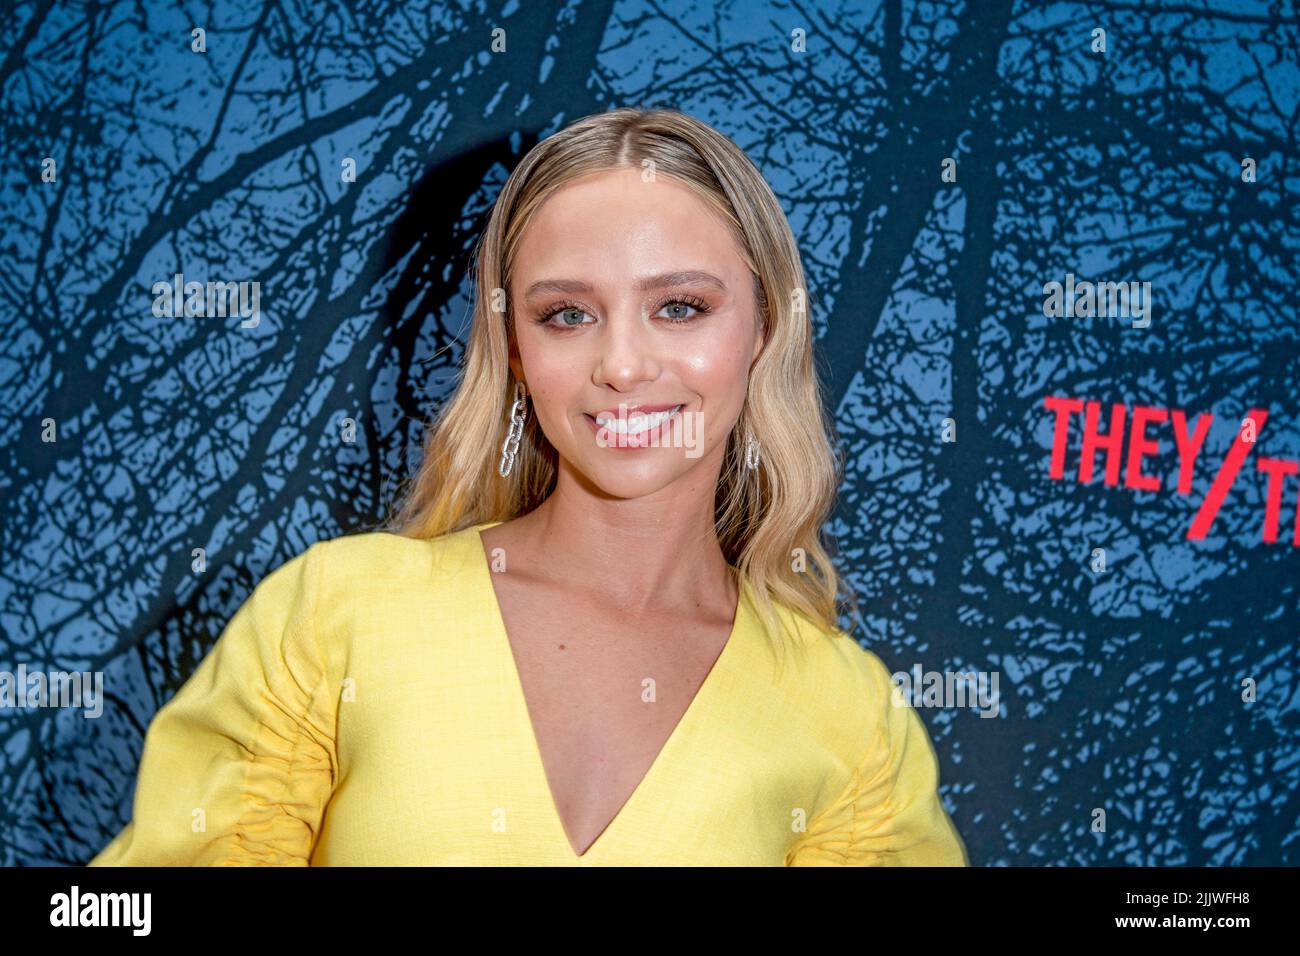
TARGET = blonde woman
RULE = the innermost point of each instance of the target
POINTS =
(602, 629)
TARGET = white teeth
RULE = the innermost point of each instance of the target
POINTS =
(636, 422)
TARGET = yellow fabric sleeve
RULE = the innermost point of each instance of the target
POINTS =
(238, 766)
(890, 813)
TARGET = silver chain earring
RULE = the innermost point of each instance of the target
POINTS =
(751, 451)
(510, 447)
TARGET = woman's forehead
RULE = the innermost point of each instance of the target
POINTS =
(616, 226)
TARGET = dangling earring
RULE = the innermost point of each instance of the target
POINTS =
(510, 447)
(751, 451)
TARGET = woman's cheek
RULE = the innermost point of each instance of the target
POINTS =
(718, 370)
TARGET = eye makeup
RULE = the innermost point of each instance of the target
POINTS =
(681, 298)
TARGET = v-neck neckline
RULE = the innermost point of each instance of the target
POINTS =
(690, 719)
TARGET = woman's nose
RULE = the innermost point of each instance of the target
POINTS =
(628, 349)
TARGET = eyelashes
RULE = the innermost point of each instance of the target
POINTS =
(699, 305)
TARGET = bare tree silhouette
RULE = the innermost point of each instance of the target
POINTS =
(1122, 690)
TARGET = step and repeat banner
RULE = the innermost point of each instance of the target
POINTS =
(1051, 252)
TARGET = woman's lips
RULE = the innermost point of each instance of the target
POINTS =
(612, 437)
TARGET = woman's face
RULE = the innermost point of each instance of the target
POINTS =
(631, 300)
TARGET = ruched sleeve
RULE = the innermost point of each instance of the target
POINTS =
(239, 765)
(890, 813)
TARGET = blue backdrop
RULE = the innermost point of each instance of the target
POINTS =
(941, 165)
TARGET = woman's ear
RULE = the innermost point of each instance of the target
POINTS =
(516, 364)
(761, 322)
(760, 343)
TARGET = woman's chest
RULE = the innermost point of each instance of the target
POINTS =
(439, 764)
(603, 702)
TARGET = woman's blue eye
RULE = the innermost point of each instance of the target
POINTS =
(699, 307)
(572, 317)
(563, 313)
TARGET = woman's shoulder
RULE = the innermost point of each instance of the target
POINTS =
(836, 677)
(377, 555)
(370, 573)
(366, 586)
(826, 651)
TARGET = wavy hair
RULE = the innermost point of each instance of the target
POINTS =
(768, 521)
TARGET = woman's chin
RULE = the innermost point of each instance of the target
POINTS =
(628, 479)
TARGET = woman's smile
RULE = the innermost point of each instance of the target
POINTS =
(637, 429)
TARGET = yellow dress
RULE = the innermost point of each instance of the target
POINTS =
(363, 708)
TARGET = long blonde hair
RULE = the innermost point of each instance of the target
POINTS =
(769, 520)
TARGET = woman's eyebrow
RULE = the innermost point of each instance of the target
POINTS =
(661, 281)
